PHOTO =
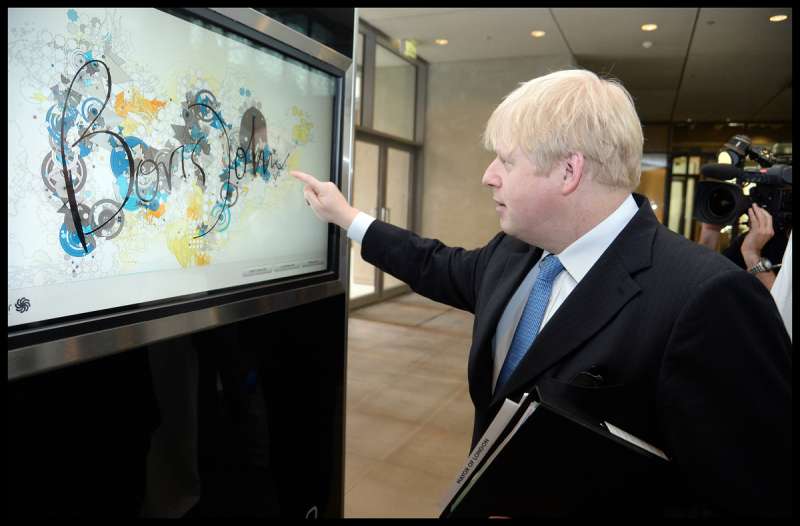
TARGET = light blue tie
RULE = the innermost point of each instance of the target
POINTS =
(531, 320)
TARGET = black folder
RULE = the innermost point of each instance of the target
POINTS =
(561, 462)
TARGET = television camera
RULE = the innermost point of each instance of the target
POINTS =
(723, 201)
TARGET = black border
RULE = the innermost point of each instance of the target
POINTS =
(73, 325)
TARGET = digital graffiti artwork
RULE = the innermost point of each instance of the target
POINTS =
(129, 153)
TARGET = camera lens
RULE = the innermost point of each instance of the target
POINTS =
(718, 203)
(721, 202)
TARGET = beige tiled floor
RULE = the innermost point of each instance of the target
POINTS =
(409, 416)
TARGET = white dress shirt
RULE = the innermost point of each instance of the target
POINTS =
(358, 228)
(782, 288)
(577, 259)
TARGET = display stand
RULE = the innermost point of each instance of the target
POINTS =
(224, 405)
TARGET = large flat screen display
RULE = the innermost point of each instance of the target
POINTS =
(148, 160)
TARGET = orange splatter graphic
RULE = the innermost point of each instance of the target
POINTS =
(195, 206)
(137, 104)
(155, 213)
(201, 259)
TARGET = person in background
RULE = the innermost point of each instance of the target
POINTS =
(586, 291)
(756, 251)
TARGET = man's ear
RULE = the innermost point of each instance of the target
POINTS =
(573, 173)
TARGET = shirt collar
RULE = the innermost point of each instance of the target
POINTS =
(579, 257)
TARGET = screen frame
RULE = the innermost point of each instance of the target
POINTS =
(38, 347)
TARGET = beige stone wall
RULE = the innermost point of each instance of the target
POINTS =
(456, 208)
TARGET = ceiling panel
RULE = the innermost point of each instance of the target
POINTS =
(638, 73)
(712, 105)
(373, 14)
(616, 32)
(653, 105)
(722, 85)
(475, 34)
(739, 65)
(738, 62)
(744, 31)
(779, 109)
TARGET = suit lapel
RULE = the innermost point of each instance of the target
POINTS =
(592, 305)
(517, 266)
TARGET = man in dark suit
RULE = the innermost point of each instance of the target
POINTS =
(583, 290)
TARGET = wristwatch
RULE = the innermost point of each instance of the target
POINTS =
(762, 265)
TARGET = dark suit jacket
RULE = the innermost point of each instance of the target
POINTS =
(685, 350)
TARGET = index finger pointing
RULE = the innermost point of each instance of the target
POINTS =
(309, 179)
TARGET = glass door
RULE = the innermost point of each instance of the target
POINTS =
(398, 199)
(365, 184)
(382, 187)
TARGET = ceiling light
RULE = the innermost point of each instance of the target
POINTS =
(647, 44)
(649, 27)
(440, 41)
(537, 34)
(778, 18)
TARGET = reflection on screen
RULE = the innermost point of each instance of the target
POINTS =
(148, 159)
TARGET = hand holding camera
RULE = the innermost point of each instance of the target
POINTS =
(760, 232)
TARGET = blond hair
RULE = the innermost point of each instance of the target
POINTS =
(570, 111)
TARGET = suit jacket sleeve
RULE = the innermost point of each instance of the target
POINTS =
(445, 274)
(726, 395)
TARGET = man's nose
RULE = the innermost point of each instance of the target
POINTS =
(491, 176)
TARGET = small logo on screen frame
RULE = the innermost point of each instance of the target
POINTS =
(22, 305)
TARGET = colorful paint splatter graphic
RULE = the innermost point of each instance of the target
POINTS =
(139, 165)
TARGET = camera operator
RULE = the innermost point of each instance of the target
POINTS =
(768, 206)
(769, 209)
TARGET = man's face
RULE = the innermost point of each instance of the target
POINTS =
(525, 200)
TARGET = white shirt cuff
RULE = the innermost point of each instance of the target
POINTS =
(358, 228)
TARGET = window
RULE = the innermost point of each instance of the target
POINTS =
(395, 91)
